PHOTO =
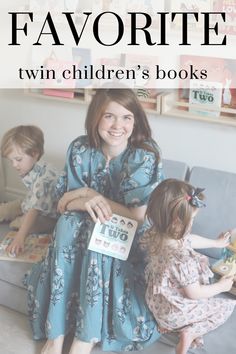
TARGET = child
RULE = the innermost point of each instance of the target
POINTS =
(24, 146)
(178, 290)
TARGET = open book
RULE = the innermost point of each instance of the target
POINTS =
(113, 238)
(225, 266)
(35, 248)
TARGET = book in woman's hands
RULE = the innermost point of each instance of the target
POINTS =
(35, 248)
(113, 238)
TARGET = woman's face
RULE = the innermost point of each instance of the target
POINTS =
(115, 127)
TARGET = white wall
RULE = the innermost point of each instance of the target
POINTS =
(196, 143)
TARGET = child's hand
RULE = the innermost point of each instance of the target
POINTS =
(16, 246)
(226, 282)
(223, 240)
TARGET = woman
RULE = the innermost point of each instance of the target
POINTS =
(101, 299)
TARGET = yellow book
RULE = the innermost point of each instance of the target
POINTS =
(34, 250)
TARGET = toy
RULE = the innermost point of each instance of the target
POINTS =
(11, 211)
(227, 265)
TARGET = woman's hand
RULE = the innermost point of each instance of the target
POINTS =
(16, 246)
(98, 208)
(223, 240)
(68, 197)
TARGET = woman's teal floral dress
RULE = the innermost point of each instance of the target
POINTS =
(98, 297)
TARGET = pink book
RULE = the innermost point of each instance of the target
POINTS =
(59, 93)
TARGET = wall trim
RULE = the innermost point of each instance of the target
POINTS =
(12, 193)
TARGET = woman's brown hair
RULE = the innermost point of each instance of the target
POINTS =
(128, 99)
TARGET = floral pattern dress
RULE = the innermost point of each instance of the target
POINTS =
(100, 298)
(166, 275)
(41, 184)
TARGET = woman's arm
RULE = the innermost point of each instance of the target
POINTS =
(17, 245)
(68, 197)
(222, 241)
(197, 291)
(102, 208)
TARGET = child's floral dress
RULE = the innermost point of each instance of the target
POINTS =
(167, 274)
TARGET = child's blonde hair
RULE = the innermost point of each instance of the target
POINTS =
(170, 210)
(28, 137)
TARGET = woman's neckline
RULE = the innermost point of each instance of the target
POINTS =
(113, 157)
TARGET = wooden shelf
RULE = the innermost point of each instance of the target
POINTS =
(80, 96)
(151, 105)
(165, 104)
(172, 106)
(84, 96)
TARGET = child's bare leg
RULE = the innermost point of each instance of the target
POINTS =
(79, 347)
(185, 340)
(53, 346)
(43, 224)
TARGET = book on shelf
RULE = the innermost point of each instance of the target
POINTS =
(229, 8)
(114, 237)
(56, 84)
(144, 66)
(222, 70)
(35, 248)
(82, 57)
(41, 8)
(206, 94)
(189, 6)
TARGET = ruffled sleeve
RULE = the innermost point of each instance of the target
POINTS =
(142, 173)
(76, 168)
(156, 279)
(185, 273)
(61, 185)
(42, 194)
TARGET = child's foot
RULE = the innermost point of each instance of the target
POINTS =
(79, 347)
(185, 341)
(53, 346)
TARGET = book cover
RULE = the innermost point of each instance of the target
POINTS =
(206, 94)
(35, 248)
(225, 266)
(145, 67)
(56, 84)
(113, 238)
(82, 58)
(189, 6)
(229, 7)
(41, 7)
(222, 70)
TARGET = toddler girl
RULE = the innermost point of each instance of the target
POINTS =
(24, 146)
(178, 290)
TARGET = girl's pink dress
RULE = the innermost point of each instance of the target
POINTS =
(167, 274)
